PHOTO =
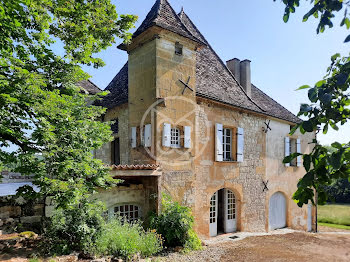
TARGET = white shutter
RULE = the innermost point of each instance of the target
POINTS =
(166, 134)
(133, 137)
(218, 142)
(187, 137)
(240, 144)
(148, 137)
(286, 149)
(298, 151)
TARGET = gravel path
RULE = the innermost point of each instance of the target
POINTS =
(297, 246)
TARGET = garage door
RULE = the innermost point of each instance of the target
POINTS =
(277, 211)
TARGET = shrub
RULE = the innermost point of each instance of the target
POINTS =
(120, 238)
(74, 229)
(175, 224)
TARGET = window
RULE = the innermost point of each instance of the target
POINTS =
(227, 144)
(116, 152)
(115, 126)
(178, 48)
(129, 212)
(175, 138)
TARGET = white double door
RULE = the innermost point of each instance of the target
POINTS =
(228, 212)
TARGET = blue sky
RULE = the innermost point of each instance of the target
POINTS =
(284, 56)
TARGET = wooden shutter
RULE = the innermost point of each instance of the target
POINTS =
(148, 135)
(133, 137)
(166, 134)
(218, 142)
(116, 152)
(187, 137)
(298, 151)
(286, 149)
(240, 144)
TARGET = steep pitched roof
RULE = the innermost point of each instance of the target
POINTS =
(164, 16)
(89, 87)
(118, 89)
(214, 80)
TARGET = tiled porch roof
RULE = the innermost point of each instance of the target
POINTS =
(135, 167)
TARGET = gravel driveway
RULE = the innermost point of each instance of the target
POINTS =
(297, 246)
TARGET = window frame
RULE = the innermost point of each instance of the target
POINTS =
(225, 143)
(233, 144)
(175, 136)
(126, 214)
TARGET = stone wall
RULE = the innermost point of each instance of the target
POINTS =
(16, 212)
(244, 179)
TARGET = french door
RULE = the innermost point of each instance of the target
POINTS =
(213, 218)
(230, 224)
(227, 218)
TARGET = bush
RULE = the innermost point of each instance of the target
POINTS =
(74, 229)
(339, 191)
(120, 238)
(175, 224)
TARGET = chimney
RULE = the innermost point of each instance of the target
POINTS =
(245, 78)
(234, 66)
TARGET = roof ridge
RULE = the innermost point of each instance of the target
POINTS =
(222, 62)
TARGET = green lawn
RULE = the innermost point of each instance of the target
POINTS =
(334, 216)
(334, 226)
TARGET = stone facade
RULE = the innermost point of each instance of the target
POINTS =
(162, 93)
(192, 175)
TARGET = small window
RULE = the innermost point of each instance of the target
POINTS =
(178, 48)
(227, 144)
(115, 126)
(129, 212)
(175, 138)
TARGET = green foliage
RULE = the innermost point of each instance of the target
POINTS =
(329, 107)
(324, 10)
(120, 238)
(339, 191)
(175, 224)
(42, 113)
(74, 229)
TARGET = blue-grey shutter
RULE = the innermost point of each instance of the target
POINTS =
(218, 142)
(240, 144)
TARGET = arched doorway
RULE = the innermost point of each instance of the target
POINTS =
(277, 211)
(222, 216)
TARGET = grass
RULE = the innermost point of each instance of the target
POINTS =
(334, 226)
(334, 215)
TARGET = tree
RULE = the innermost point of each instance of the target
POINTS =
(41, 111)
(328, 107)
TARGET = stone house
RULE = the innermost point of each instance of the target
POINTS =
(191, 126)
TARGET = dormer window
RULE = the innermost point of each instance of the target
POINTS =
(178, 48)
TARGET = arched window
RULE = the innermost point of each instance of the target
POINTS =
(129, 212)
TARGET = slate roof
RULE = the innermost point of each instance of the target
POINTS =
(214, 79)
(118, 89)
(89, 87)
(164, 16)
